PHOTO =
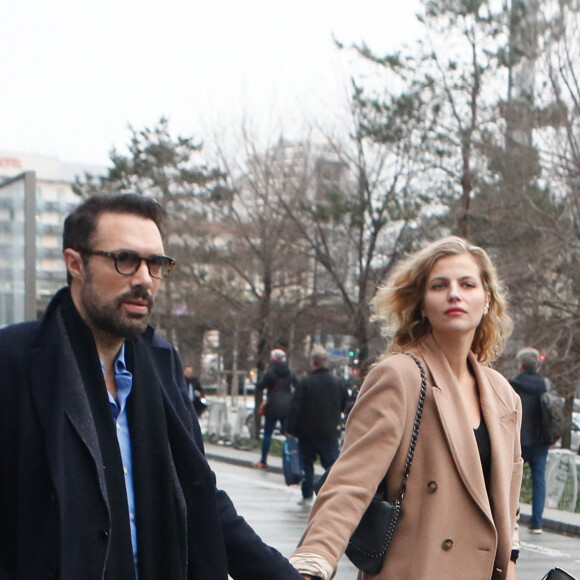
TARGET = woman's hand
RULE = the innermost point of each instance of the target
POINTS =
(511, 571)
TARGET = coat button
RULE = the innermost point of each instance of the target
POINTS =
(432, 487)
(103, 535)
(447, 545)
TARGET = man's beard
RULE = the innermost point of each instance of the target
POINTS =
(108, 316)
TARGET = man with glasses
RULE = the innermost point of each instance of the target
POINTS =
(102, 469)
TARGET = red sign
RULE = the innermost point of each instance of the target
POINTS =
(10, 162)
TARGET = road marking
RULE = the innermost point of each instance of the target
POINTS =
(550, 552)
(259, 483)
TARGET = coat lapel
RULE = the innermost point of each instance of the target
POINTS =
(59, 394)
(456, 426)
(500, 419)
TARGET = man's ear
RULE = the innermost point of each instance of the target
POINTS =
(73, 261)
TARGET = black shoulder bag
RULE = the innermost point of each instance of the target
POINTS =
(558, 574)
(370, 541)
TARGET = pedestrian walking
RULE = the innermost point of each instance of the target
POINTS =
(278, 383)
(530, 385)
(102, 468)
(444, 305)
(319, 402)
(194, 390)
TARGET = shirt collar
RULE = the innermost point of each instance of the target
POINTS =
(120, 364)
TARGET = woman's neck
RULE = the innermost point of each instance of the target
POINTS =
(455, 349)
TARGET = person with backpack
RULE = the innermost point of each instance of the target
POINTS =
(530, 385)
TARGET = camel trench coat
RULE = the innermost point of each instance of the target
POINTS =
(452, 526)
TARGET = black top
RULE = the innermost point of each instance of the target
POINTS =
(484, 446)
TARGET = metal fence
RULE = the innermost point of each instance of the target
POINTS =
(562, 480)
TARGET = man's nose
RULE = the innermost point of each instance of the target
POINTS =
(142, 277)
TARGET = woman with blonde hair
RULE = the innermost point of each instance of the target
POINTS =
(446, 306)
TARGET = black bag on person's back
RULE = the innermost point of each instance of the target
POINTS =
(553, 421)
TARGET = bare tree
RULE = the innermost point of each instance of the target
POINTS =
(359, 204)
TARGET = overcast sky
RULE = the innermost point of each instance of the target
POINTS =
(75, 73)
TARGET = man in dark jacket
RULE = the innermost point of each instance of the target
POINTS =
(530, 385)
(102, 468)
(319, 402)
(278, 382)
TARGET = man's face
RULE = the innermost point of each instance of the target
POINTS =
(110, 303)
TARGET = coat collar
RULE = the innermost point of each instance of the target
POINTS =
(59, 394)
(456, 425)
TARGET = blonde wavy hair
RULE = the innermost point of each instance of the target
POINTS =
(400, 300)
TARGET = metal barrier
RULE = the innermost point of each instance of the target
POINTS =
(561, 480)
(218, 427)
(242, 425)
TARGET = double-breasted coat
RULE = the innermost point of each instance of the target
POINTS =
(55, 518)
(452, 526)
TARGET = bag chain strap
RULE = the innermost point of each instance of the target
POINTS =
(416, 424)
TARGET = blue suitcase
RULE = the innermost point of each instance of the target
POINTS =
(291, 461)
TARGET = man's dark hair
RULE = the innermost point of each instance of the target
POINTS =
(81, 222)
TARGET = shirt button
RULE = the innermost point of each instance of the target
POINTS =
(125, 471)
(432, 487)
(132, 516)
(447, 545)
(103, 535)
(117, 424)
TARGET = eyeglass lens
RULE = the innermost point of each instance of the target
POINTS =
(128, 263)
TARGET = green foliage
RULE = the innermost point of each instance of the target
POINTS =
(158, 165)
(172, 170)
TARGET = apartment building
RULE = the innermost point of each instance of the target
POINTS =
(36, 194)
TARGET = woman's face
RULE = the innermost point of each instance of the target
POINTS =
(455, 299)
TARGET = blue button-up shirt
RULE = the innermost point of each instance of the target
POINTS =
(124, 381)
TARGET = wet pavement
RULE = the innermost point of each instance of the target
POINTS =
(272, 509)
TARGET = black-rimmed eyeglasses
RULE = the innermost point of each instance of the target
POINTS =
(127, 263)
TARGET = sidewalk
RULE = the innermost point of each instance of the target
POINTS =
(557, 521)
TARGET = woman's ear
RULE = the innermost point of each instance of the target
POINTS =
(486, 308)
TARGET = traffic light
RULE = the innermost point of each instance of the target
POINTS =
(353, 361)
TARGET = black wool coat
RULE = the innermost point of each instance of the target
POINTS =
(319, 401)
(54, 510)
